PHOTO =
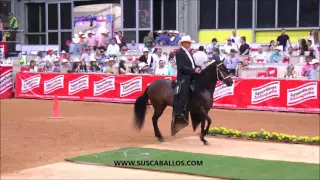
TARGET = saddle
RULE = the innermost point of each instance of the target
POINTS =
(176, 85)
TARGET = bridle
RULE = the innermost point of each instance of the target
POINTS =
(221, 74)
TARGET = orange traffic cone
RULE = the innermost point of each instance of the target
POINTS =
(56, 110)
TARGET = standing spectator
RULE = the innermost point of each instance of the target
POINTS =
(81, 35)
(227, 47)
(315, 72)
(259, 57)
(290, 72)
(232, 61)
(104, 39)
(75, 47)
(113, 48)
(13, 28)
(161, 69)
(133, 46)
(244, 48)
(276, 56)
(162, 39)
(312, 48)
(310, 37)
(91, 40)
(1, 29)
(157, 57)
(56, 67)
(148, 40)
(235, 37)
(33, 67)
(303, 47)
(283, 39)
(172, 71)
(200, 57)
(272, 45)
(214, 44)
(307, 67)
(119, 38)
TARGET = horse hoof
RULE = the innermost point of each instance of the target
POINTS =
(205, 143)
(161, 139)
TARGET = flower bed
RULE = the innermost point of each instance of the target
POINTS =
(264, 135)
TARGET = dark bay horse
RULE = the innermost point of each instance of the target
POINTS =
(161, 95)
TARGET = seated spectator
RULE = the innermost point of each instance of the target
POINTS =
(161, 69)
(65, 65)
(307, 67)
(272, 46)
(312, 48)
(213, 44)
(134, 46)
(86, 55)
(216, 55)
(134, 67)
(157, 57)
(91, 40)
(64, 55)
(172, 70)
(39, 58)
(51, 56)
(100, 55)
(146, 57)
(234, 37)
(175, 38)
(171, 56)
(143, 68)
(315, 72)
(290, 53)
(259, 57)
(75, 66)
(210, 60)
(192, 51)
(200, 58)
(112, 66)
(113, 48)
(33, 67)
(47, 67)
(303, 47)
(310, 37)
(244, 48)
(227, 47)
(290, 72)
(82, 67)
(123, 69)
(123, 50)
(231, 61)
(276, 56)
(238, 68)
(56, 67)
(94, 68)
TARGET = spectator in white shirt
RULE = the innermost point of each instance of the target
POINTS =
(161, 69)
(234, 37)
(290, 53)
(86, 56)
(51, 55)
(213, 44)
(310, 37)
(259, 57)
(227, 47)
(33, 67)
(113, 48)
(200, 57)
(157, 57)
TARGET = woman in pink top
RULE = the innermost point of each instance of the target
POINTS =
(91, 40)
(307, 68)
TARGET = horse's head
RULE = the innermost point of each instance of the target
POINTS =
(223, 74)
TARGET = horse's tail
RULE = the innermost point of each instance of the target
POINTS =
(140, 108)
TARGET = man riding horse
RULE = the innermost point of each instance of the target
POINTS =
(186, 72)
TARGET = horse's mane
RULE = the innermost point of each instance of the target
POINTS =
(208, 77)
(208, 68)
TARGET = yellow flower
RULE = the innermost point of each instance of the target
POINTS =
(267, 137)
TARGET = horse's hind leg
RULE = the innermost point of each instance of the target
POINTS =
(204, 132)
(158, 110)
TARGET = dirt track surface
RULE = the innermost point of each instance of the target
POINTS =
(30, 139)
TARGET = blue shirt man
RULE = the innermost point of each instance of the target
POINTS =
(276, 56)
(315, 72)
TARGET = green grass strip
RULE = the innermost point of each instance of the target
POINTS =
(213, 165)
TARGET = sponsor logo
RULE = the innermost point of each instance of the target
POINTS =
(6, 80)
(265, 92)
(302, 93)
(223, 90)
(131, 86)
(30, 83)
(78, 84)
(53, 84)
(104, 85)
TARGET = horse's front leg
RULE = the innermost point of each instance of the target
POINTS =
(204, 132)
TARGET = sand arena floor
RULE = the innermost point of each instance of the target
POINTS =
(29, 139)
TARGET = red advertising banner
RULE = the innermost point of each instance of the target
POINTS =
(253, 94)
(6, 82)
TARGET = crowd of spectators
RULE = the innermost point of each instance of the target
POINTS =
(108, 54)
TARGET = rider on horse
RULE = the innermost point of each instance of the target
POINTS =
(186, 71)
